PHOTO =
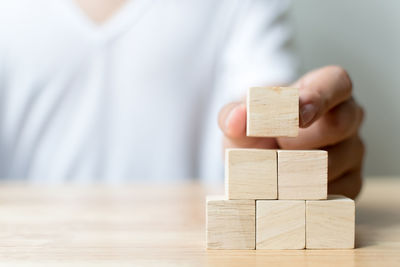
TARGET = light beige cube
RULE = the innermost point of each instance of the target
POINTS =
(330, 224)
(251, 174)
(280, 224)
(230, 224)
(272, 111)
(302, 174)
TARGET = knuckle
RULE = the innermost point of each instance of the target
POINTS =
(349, 185)
(357, 151)
(344, 78)
(355, 183)
(340, 123)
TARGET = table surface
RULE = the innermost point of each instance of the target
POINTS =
(163, 225)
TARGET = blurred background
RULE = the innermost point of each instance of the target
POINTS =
(363, 36)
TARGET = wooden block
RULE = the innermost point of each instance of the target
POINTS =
(330, 223)
(230, 223)
(272, 111)
(280, 224)
(251, 174)
(302, 174)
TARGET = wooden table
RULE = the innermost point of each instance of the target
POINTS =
(163, 225)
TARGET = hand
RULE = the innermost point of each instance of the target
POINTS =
(330, 119)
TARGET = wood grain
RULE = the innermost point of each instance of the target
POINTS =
(251, 174)
(280, 224)
(302, 174)
(272, 111)
(164, 225)
(330, 223)
(230, 223)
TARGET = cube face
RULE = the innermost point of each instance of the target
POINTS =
(251, 174)
(230, 223)
(302, 174)
(330, 223)
(272, 111)
(280, 224)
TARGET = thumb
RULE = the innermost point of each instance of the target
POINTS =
(232, 121)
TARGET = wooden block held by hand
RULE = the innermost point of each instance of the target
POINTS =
(302, 174)
(272, 111)
(251, 174)
(330, 223)
(280, 224)
(230, 223)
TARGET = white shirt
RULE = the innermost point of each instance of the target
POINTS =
(134, 98)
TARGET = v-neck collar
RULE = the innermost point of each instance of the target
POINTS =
(120, 21)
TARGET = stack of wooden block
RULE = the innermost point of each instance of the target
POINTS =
(277, 199)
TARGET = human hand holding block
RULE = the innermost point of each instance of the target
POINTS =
(329, 118)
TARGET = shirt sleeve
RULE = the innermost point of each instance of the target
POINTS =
(258, 49)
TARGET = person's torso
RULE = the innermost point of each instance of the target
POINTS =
(125, 100)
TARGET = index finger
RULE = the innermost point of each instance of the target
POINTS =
(322, 90)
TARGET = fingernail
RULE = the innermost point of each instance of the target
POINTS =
(307, 114)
